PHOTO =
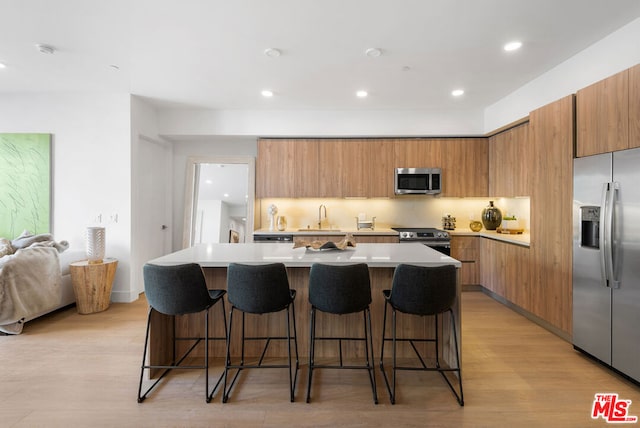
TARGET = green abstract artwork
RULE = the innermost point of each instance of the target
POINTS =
(25, 184)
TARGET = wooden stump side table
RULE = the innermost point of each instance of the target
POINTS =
(92, 284)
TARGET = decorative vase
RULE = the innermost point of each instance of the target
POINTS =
(491, 217)
(281, 223)
(475, 226)
(95, 244)
(272, 210)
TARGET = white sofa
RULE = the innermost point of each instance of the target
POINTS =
(34, 280)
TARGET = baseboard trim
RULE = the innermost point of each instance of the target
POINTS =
(528, 315)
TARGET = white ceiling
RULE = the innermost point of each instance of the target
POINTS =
(209, 53)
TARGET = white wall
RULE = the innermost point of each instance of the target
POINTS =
(148, 174)
(616, 52)
(210, 146)
(91, 165)
(321, 123)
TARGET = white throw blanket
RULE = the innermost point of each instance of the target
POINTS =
(30, 282)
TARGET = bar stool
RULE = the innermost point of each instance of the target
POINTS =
(260, 289)
(340, 290)
(423, 291)
(180, 290)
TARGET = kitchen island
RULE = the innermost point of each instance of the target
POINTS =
(381, 259)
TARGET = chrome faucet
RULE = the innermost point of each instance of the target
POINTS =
(320, 215)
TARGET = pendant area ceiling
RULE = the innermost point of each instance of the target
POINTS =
(211, 54)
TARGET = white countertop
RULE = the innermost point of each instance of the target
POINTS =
(374, 255)
(523, 239)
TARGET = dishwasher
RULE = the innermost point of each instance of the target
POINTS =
(285, 239)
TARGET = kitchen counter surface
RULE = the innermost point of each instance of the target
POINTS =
(523, 239)
(374, 255)
(315, 232)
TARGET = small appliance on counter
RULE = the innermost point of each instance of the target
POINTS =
(448, 222)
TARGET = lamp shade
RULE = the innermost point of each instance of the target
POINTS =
(95, 244)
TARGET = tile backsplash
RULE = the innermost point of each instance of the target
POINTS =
(409, 211)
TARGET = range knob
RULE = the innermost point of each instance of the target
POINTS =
(406, 235)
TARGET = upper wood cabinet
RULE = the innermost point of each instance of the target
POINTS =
(330, 164)
(602, 109)
(336, 168)
(509, 162)
(381, 152)
(306, 168)
(465, 167)
(418, 153)
(356, 166)
(634, 106)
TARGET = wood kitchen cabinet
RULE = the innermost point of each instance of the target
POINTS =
(336, 168)
(510, 162)
(552, 212)
(465, 167)
(418, 153)
(634, 106)
(306, 169)
(275, 168)
(356, 167)
(466, 249)
(381, 173)
(602, 109)
(505, 270)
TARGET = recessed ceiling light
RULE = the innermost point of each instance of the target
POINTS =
(457, 92)
(114, 66)
(2, 65)
(272, 52)
(362, 94)
(267, 93)
(208, 181)
(512, 46)
(226, 195)
(373, 52)
(45, 49)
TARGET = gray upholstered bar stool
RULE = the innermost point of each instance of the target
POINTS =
(421, 291)
(180, 290)
(260, 289)
(341, 290)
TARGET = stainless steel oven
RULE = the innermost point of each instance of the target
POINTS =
(437, 239)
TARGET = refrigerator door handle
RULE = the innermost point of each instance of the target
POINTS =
(606, 252)
(604, 272)
(613, 190)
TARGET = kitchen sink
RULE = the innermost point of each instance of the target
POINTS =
(318, 230)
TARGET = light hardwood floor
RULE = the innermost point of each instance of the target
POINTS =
(82, 370)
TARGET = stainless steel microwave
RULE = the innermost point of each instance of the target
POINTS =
(425, 181)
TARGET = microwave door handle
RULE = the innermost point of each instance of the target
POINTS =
(603, 236)
(613, 190)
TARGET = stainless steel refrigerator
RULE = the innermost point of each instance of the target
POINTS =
(606, 259)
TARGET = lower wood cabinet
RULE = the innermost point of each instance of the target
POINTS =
(505, 270)
(466, 249)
